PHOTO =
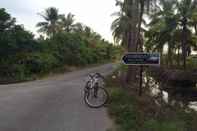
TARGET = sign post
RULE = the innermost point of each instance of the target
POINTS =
(141, 59)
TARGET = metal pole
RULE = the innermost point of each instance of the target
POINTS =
(141, 79)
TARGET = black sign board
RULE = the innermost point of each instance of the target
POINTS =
(141, 59)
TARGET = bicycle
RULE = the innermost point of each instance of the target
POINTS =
(95, 95)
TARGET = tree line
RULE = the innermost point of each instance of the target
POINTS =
(156, 26)
(62, 42)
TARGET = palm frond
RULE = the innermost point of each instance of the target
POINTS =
(40, 24)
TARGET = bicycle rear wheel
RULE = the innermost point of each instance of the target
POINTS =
(98, 100)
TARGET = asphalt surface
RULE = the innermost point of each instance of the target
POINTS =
(52, 104)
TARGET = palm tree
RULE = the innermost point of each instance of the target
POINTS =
(162, 29)
(78, 27)
(6, 20)
(127, 27)
(145, 6)
(87, 31)
(194, 20)
(185, 11)
(129, 21)
(67, 22)
(172, 25)
(120, 29)
(50, 25)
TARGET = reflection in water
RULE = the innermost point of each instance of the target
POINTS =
(170, 94)
(193, 105)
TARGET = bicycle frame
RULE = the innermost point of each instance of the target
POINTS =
(93, 81)
(93, 91)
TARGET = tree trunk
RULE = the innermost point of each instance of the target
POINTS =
(178, 57)
(140, 24)
(134, 36)
(131, 48)
(130, 41)
(141, 81)
(184, 42)
(131, 72)
(169, 55)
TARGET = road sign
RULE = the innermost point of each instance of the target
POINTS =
(141, 59)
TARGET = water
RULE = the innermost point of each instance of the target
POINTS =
(171, 94)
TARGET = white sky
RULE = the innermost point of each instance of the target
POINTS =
(93, 13)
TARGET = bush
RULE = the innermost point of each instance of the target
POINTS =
(46, 55)
(192, 62)
(23, 56)
(133, 113)
(40, 63)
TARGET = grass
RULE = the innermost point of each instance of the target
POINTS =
(133, 113)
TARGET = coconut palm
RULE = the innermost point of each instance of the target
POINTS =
(78, 27)
(172, 25)
(130, 19)
(50, 25)
(162, 28)
(5, 20)
(123, 26)
(194, 20)
(87, 31)
(120, 29)
(185, 12)
(67, 22)
(127, 27)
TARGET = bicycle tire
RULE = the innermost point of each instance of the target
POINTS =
(87, 94)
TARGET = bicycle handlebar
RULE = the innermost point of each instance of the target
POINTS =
(96, 75)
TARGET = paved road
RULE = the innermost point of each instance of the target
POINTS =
(52, 104)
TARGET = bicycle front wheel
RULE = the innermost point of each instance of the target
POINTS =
(98, 100)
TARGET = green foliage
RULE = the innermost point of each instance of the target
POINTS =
(40, 62)
(192, 62)
(130, 114)
(23, 56)
(67, 22)
(173, 28)
(122, 109)
(6, 20)
(50, 25)
(155, 125)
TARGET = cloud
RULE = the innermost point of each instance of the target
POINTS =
(17, 6)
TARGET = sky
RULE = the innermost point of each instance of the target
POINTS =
(93, 13)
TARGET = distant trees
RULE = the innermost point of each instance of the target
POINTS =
(79, 27)
(127, 28)
(6, 21)
(68, 43)
(161, 29)
(173, 24)
(15, 43)
(55, 23)
(67, 22)
(50, 26)
(185, 10)
(13, 37)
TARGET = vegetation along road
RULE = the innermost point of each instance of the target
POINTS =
(52, 104)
